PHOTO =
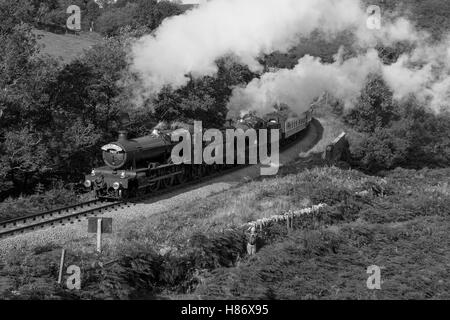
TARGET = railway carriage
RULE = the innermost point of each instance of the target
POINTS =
(289, 125)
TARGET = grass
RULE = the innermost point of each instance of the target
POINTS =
(66, 47)
(404, 232)
(306, 266)
(199, 250)
(317, 45)
(55, 198)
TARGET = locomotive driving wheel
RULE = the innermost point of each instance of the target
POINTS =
(198, 171)
(167, 182)
(155, 186)
(181, 177)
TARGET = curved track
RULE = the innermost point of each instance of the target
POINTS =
(73, 213)
(70, 214)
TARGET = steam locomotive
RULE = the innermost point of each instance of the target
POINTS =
(143, 165)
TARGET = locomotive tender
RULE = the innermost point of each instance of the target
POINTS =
(143, 165)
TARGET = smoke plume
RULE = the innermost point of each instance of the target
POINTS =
(190, 44)
(424, 73)
(307, 81)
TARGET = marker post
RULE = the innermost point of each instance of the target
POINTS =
(99, 226)
(99, 235)
(61, 265)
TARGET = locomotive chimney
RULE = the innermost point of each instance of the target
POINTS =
(122, 135)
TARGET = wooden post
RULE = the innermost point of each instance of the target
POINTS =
(99, 235)
(61, 265)
(292, 221)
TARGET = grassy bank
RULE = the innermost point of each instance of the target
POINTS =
(66, 47)
(198, 251)
(55, 198)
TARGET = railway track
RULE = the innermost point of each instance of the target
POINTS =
(60, 216)
(70, 214)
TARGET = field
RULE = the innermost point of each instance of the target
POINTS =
(66, 47)
(403, 232)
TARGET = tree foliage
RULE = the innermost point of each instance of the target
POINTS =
(13, 13)
(135, 14)
(203, 99)
(391, 134)
(54, 118)
(376, 107)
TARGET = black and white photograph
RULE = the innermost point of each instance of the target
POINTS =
(219, 156)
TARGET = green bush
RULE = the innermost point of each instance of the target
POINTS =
(390, 134)
(111, 21)
(56, 197)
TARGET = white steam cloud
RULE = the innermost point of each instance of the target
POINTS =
(425, 73)
(190, 44)
(307, 81)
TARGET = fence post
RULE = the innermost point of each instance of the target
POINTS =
(99, 235)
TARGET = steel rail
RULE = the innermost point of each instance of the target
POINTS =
(65, 216)
(5, 223)
(59, 220)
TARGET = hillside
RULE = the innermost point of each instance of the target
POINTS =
(398, 221)
(428, 15)
(386, 203)
(66, 47)
(402, 229)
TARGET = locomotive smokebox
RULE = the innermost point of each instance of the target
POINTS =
(123, 135)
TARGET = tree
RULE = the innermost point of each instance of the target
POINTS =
(161, 11)
(375, 108)
(204, 99)
(397, 134)
(383, 149)
(91, 13)
(113, 19)
(87, 95)
(24, 154)
(13, 13)
(136, 14)
(25, 122)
